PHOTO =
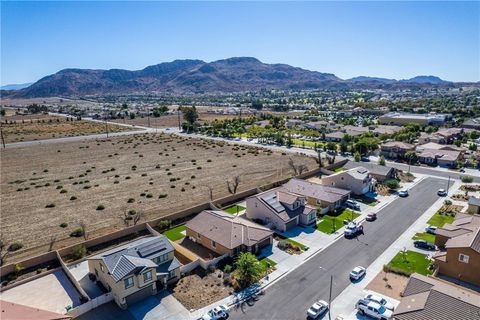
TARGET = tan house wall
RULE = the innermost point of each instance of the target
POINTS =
(469, 272)
(256, 209)
(207, 243)
(118, 288)
(348, 182)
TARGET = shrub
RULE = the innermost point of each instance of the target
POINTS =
(163, 195)
(59, 187)
(447, 202)
(192, 177)
(283, 244)
(50, 205)
(15, 246)
(63, 191)
(127, 177)
(183, 189)
(132, 212)
(116, 182)
(73, 198)
(86, 187)
(392, 184)
(77, 233)
(63, 225)
(100, 207)
(79, 251)
(149, 195)
(130, 200)
(164, 224)
(467, 179)
(143, 194)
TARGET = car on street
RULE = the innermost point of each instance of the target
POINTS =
(217, 313)
(422, 244)
(352, 229)
(373, 309)
(352, 204)
(431, 229)
(357, 273)
(403, 193)
(442, 192)
(380, 300)
(371, 216)
(317, 309)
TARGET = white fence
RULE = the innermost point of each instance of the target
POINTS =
(205, 264)
(189, 266)
(91, 304)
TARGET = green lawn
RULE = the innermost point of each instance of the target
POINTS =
(438, 220)
(413, 262)
(175, 234)
(266, 264)
(299, 142)
(339, 170)
(424, 236)
(233, 209)
(326, 225)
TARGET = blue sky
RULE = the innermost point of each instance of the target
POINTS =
(386, 39)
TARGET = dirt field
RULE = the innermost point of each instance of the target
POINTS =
(31, 127)
(195, 292)
(388, 284)
(43, 186)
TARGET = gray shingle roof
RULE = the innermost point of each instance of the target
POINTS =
(429, 298)
(134, 257)
(373, 168)
(315, 190)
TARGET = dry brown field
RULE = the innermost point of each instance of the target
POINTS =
(43, 186)
(30, 127)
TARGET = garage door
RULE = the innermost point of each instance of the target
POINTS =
(139, 295)
(291, 224)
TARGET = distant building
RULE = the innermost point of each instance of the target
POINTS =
(402, 118)
(395, 149)
(380, 173)
(472, 124)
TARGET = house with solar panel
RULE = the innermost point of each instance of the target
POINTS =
(280, 209)
(136, 270)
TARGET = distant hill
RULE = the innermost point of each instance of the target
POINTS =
(178, 77)
(15, 86)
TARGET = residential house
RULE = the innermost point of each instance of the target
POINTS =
(432, 298)
(380, 173)
(280, 209)
(444, 158)
(442, 136)
(358, 180)
(396, 149)
(472, 124)
(336, 136)
(136, 270)
(290, 123)
(224, 233)
(473, 205)
(437, 146)
(384, 129)
(325, 197)
(461, 260)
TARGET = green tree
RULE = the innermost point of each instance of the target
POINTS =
(2, 112)
(472, 147)
(458, 143)
(392, 184)
(343, 147)
(381, 161)
(190, 114)
(357, 157)
(248, 268)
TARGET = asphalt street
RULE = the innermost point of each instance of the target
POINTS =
(291, 296)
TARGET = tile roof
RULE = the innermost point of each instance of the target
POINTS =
(463, 223)
(447, 155)
(429, 298)
(315, 190)
(134, 257)
(467, 240)
(227, 230)
(373, 168)
(399, 144)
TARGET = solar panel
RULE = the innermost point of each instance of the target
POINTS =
(151, 247)
(272, 201)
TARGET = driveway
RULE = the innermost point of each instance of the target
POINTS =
(293, 294)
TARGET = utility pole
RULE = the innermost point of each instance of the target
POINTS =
(1, 134)
(105, 119)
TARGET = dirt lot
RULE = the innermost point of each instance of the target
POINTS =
(388, 284)
(195, 292)
(31, 127)
(43, 186)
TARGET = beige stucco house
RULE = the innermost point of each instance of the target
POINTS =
(136, 270)
(358, 180)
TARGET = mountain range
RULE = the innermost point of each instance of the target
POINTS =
(238, 74)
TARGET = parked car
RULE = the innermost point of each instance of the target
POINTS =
(431, 229)
(373, 310)
(403, 193)
(352, 229)
(424, 245)
(357, 273)
(317, 309)
(442, 192)
(380, 300)
(352, 204)
(217, 313)
(371, 217)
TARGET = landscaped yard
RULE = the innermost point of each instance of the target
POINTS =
(267, 264)
(175, 234)
(301, 246)
(424, 236)
(410, 262)
(438, 220)
(328, 221)
(305, 143)
(234, 209)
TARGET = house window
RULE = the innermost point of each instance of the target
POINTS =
(161, 259)
(171, 274)
(214, 245)
(128, 282)
(147, 276)
(463, 258)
